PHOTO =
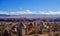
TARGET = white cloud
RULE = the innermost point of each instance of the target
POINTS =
(30, 12)
(4, 12)
(50, 13)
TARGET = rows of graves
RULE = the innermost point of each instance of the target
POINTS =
(29, 28)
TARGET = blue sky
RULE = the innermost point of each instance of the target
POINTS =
(29, 6)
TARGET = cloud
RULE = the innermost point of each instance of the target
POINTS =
(30, 12)
(4, 12)
(21, 12)
(50, 13)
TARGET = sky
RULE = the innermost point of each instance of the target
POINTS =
(16, 7)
